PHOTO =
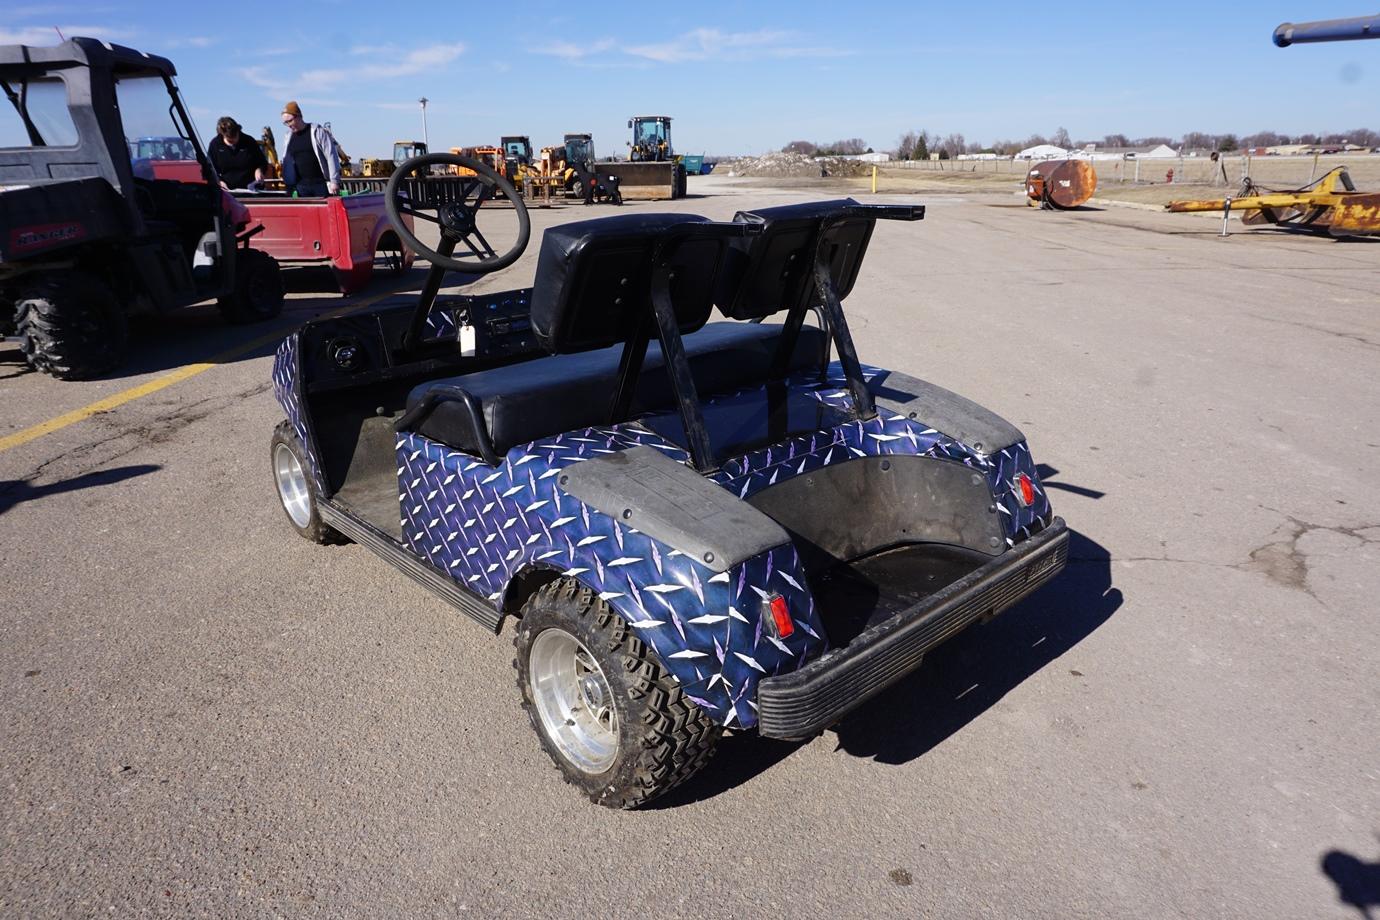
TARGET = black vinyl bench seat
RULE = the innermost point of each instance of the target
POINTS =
(558, 393)
(611, 295)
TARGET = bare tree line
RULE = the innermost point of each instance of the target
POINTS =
(919, 144)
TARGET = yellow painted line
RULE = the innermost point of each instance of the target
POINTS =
(185, 372)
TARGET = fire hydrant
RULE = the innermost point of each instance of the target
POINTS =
(1169, 176)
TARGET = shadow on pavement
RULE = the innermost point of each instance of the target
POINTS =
(1047, 473)
(199, 333)
(957, 682)
(16, 491)
(963, 678)
(1358, 882)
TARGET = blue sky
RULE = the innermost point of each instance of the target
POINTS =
(741, 77)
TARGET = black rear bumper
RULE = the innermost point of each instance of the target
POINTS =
(800, 703)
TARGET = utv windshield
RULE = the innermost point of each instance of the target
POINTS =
(154, 129)
(35, 112)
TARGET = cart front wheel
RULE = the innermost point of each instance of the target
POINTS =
(296, 492)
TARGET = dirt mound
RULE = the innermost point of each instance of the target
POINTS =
(796, 165)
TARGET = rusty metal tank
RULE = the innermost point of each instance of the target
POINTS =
(1061, 184)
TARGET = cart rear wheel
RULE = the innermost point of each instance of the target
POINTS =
(296, 492)
(607, 712)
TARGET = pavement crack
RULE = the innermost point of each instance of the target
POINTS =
(150, 432)
(1284, 563)
(1350, 336)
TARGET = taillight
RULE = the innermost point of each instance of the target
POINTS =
(1024, 489)
(780, 616)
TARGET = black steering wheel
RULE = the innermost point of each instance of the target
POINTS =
(453, 204)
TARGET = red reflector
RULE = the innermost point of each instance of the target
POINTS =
(781, 616)
(1025, 490)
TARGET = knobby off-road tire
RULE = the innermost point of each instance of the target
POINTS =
(258, 293)
(662, 738)
(70, 325)
(296, 492)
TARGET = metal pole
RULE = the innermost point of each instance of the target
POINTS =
(1226, 214)
(425, 139)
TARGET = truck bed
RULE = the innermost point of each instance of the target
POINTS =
(343, 231)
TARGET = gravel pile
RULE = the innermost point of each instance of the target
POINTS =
(796, 165)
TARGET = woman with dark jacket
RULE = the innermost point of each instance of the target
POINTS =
(238, 159)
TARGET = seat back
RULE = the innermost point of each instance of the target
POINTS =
(774, 270)
(593, 283)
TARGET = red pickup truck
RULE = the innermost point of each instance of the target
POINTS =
(352, 233)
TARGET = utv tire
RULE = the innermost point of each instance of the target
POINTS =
(609, 715)
(258, 293)
(296, 492)
(70, 325)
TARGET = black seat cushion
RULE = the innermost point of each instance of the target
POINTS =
(774, 270)
(593, 282)
(559, 393)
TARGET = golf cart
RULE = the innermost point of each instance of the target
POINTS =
(698, 525)
(93, 225)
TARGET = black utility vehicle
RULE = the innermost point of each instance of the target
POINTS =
(89, 231)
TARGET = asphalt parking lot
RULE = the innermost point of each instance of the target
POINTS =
(206, 716)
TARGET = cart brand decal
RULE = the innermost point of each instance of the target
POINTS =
(28, 239)
(482, 525)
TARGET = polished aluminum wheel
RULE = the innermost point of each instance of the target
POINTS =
(292, 485)
(574, 701)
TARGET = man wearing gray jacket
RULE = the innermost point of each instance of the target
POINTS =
(311, 162)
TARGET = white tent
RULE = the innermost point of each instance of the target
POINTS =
(1042, 152)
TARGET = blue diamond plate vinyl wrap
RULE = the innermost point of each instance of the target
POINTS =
(287, 387)
(484, 524)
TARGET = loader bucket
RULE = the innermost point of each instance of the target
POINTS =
(644, 181)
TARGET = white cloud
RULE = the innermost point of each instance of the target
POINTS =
(697, 45)
(194, 41)
(391, 62)
(573, 52)
(48, 35)
(703, 44)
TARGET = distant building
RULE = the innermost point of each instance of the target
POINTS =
(1042, 152)
(1162, 152)
(861, 157)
